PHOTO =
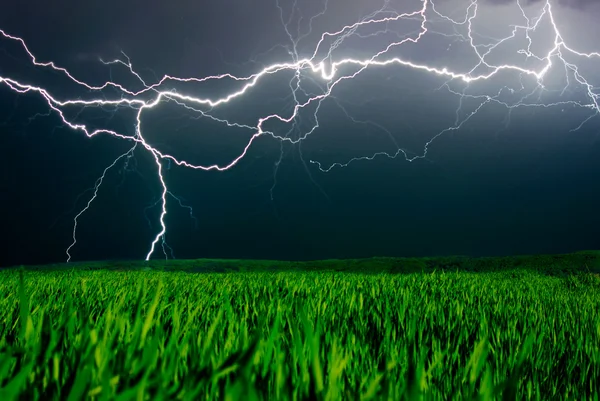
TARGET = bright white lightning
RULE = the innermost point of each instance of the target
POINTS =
(329, 75)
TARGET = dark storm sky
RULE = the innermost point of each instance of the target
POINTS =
(487, 189)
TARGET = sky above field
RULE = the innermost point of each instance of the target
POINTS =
(444, 128)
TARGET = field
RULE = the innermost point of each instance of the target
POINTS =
(446, 328)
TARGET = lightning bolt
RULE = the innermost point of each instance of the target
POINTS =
(323, 70)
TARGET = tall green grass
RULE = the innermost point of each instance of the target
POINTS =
(131, 335)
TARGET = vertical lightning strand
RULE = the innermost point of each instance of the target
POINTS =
(93, 198)
(163, 212)
(164, 189)
(322, 64)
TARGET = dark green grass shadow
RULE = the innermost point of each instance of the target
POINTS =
(561, 265)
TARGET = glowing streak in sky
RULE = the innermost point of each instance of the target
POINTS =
(329, 73)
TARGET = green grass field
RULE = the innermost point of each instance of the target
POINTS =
(398, 329)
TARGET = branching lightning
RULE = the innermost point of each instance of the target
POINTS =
(323, 69)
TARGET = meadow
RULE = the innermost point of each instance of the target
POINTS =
(391, 329)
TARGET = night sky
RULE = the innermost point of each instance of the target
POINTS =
(504, 183)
